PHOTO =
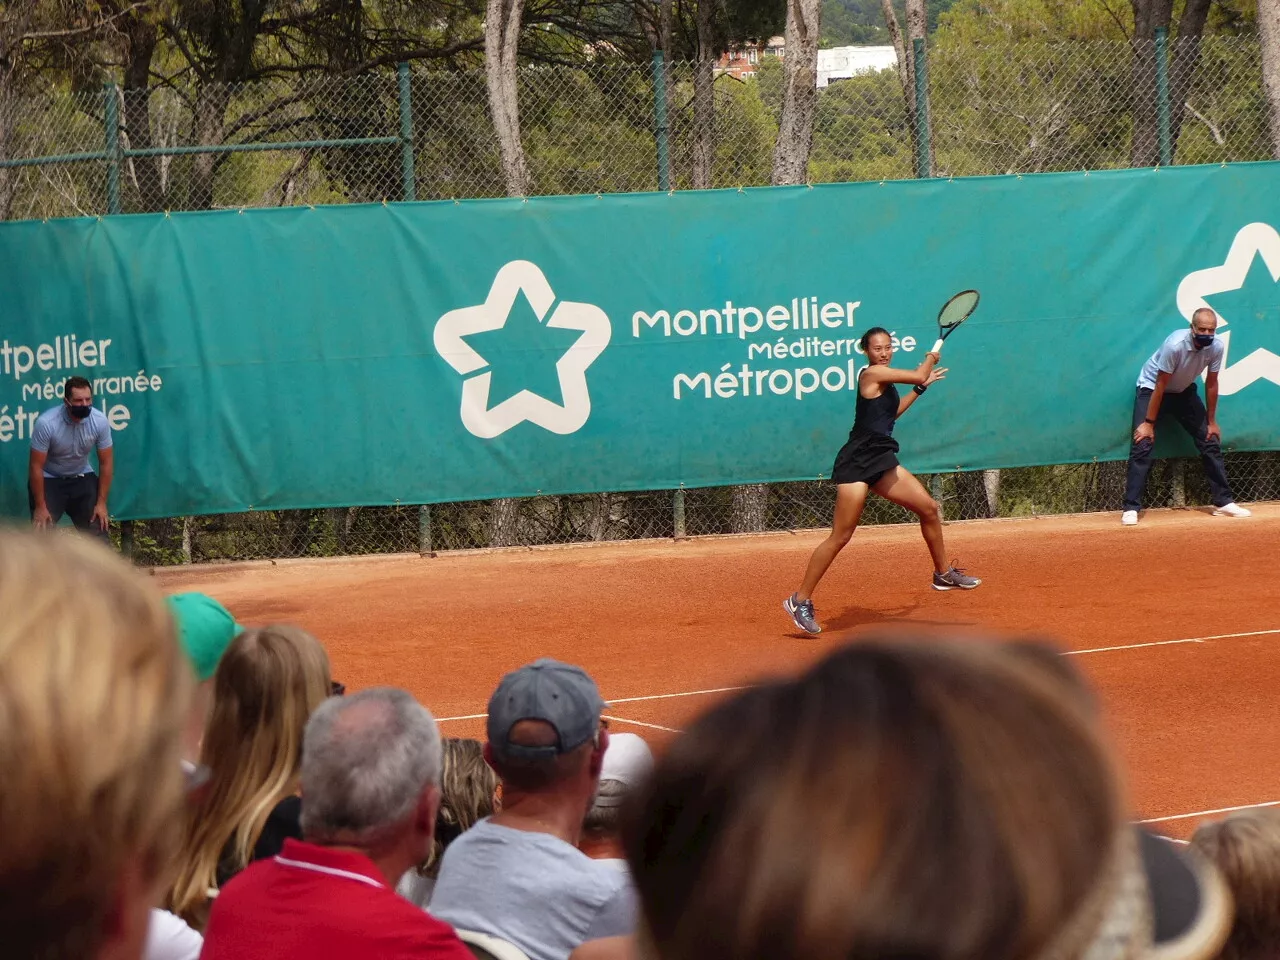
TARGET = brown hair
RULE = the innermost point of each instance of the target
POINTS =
(898, 799)
(1245, 847)
(94, 693)
(266, 687)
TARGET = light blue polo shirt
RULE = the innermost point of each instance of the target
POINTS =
(1179, 358)
(68, 441)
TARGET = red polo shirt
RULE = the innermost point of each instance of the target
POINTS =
(315, 903)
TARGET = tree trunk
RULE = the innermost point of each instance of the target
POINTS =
(504, 523)
(704, 98)
(750, 511)
(501, 45)
(1147, 15)
(991, 481)
(15, 21)
(750, 508)
(1269, 31)
(210, 118)
(1184, 58)
(142, 39)
(600, 513)
(799, 93)
(8, 178)
(906, 75)
(904, 47)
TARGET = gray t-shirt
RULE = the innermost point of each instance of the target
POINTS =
(67, 442)
(1179, 357)
(531, 889)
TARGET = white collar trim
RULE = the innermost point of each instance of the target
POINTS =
(331, 871)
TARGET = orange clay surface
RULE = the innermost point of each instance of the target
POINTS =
(665, 628)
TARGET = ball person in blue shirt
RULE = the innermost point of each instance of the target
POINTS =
(60, 478)
(1167, 384)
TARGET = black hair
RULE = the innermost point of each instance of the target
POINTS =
(866, 337)
(74, 382)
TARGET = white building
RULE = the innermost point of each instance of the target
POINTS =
(841, 63)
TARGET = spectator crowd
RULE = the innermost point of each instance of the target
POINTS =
(180, 786)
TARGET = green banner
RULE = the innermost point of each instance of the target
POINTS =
(428, 352)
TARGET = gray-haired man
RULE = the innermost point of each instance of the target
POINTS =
(519, 875)
(370, 787)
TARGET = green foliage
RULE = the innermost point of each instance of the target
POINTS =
(847, 22)
(860, 132)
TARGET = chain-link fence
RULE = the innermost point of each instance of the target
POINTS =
(1015, 108)
(616, 127)
(665, 514)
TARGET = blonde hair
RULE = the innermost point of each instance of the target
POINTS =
(267, 685)
(94, 693)
(1245, 847)
(468, 787)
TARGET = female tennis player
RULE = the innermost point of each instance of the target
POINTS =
(868, 461)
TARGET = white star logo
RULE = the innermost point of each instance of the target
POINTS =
(1255, 239)
(516, 277)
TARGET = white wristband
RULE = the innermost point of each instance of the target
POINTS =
(937, 347)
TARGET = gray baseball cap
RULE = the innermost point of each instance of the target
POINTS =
(556, 693)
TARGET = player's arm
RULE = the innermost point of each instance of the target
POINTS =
(910, 398)
(883, 373)
(1211, 405)
(1147, 429)
(35, 476)
(106, 472)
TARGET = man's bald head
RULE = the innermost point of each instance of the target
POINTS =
(1204, 321)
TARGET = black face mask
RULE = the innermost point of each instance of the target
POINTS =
(1202, 339)
(81, 412)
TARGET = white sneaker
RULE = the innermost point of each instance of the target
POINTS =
(1231, 510)
(1129, 518)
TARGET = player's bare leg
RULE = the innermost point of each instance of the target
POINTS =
(850, 500)
(901, 487)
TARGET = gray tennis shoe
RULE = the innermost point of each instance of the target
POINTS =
(801, 612)
(954, 579)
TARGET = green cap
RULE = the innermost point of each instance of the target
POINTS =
(205, 628)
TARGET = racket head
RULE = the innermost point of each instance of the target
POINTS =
(958, 309)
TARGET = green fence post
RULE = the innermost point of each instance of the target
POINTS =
(111, 124)
(1162, 96)
(425, 547)
(406, 132)
(660, 120)
(126, 539)
(677, 510)
(920, 60)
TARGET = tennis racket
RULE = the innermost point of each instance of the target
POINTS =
(953, 313)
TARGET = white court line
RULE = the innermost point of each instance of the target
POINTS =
(691, 693)
(656, 696)
(640, 723)
(1127, 646)
(1070, 653)
(1209, 813)
(1166, 643)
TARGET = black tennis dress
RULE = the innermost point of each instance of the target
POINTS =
(870, 452)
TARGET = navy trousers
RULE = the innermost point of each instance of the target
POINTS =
(1187, 408)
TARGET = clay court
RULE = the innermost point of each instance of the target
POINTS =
(1177, 622)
